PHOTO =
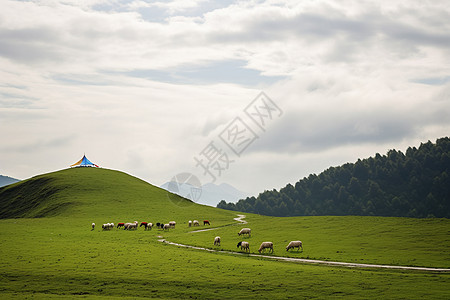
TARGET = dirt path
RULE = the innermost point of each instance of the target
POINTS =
(240, 218)
(207, 229)
(302, 260)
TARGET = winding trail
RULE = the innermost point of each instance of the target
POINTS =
(240, 219)
(207, 229)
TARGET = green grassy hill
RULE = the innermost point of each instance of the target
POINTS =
(98, 194)
(48, 249)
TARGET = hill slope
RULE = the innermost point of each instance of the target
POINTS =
(94, 193)
(415, 184)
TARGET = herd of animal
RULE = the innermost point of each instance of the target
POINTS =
(245, 246)
(147, 225)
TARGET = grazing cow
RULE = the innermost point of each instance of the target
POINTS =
(243, 231)
(244, 246)
(206, 222)
(217, 241)
(120, 225)
(295, 244)
(266, 245)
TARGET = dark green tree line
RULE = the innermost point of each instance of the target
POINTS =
(411, 184)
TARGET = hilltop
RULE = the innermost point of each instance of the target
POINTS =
(93, 193)
(411, 184)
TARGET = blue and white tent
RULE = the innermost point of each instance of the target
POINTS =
(84, 162)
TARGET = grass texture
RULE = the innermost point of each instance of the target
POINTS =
(48, 250)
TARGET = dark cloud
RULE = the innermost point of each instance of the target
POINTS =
(30, 45)
(348, 35)
(321, 130)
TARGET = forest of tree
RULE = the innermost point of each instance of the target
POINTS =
(411, 184)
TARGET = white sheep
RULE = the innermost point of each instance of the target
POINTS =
(190, 223)
(294, 244)
(172, 224)
(133, 226)
(244, 246)
(129, 226)
(245, 231)
(195, 223)
(217, 241)
(166, 226)
(93, 226)
(266, 245)
(107, 226)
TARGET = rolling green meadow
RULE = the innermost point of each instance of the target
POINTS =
(48, 250)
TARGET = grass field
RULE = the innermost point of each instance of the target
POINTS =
(372, 240)
(58, 256)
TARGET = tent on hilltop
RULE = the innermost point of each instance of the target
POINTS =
(84, 162)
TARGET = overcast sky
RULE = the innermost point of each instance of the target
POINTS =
(156, 88)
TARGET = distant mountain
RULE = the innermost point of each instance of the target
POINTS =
(5, 180)
(209, 194)
(412, 184)
(212, 194)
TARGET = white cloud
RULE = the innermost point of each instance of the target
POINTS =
(145, 86)
(173, 7)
